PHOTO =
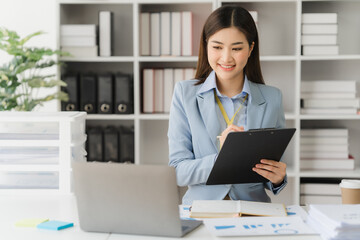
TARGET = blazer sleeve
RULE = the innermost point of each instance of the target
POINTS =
(189, 170)
(280, 123)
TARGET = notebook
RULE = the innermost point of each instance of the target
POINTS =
(129, 199)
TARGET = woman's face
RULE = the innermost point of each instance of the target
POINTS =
(228, 51)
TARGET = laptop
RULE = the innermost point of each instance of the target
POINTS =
(129, 199)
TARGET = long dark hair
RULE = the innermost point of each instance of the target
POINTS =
(225, 17)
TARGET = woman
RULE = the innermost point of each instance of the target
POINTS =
(228, 77)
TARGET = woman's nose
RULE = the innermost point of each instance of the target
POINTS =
(226, 55)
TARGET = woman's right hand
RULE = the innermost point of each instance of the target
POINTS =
(230, 128)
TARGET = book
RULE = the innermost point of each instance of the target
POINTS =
(315, 18)
(78, 30)
(80, 51)
(188, 73)
(78, 41)
(168, 88)
(178, 75)
(226, 208)
(328, 95)
(186, 33)
(320, 189)
(324, 132)
(254, 15)
(331, 103)
(323, 140)
(325, 86)
(155, 34)
(327, 163)
(319, 39)
(321, 154)
(159, 90)
(105, 33)
(319, 28)
(145, 34)
(337, 111)
(320, 199)
(324, 148)
(176, 33)
(310, 50)
(165, 23)
(148, 91)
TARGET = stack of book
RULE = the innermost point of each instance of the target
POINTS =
(329, 97)
(158, 87)
(166, 33)
(79, 39)
(319, 34)
(319, 190)
(335, 221)
(325, 149)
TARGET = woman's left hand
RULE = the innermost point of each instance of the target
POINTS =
(272, 170)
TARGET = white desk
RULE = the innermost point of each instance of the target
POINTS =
(63, 208)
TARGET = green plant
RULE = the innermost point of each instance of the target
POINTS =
(23, 76)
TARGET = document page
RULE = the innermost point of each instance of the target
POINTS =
(256, 226)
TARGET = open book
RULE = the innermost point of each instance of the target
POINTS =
(228, 208)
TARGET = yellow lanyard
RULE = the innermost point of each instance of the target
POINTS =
(223, 112)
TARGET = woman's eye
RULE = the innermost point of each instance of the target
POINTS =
(237, 49)
(216, 47)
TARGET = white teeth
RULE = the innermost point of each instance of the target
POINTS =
(226, 66)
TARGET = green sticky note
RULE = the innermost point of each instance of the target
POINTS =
(30, 222)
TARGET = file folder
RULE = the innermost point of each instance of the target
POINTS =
(126, 141)
(105, 94)
(123, 94)
(94, 146)
(88, 93)
(111, 144)
(72, 89)
(241, 151)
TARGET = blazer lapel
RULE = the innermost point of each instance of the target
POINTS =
(206, 103)
(256, 107)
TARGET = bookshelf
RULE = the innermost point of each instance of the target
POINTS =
(279, 25)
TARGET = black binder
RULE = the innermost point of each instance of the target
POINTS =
(72, 89)
(126, 141)
(123, 94)
(242, 150)
(94, 144)
(111, 144)
(105, 94)
(88, 91)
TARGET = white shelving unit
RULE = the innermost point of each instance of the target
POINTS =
(279, 25)
(37, 149)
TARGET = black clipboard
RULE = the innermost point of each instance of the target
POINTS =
(242, 150)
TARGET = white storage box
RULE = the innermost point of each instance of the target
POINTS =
(29, 180)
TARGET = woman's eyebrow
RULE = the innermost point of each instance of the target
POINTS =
(235, 43)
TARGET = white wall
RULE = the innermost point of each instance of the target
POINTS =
(29, 16)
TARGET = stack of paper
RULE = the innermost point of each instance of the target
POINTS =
(329, 97)
(325, 149)
(335, 221)
(319, 34)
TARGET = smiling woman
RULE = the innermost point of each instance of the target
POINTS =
(228, 94)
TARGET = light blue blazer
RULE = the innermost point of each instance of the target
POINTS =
(193, 127)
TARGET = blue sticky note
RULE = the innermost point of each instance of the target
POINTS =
(54, 225)
(291, 213)
(224, 227)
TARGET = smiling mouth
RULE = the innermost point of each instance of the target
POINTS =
(227, 67)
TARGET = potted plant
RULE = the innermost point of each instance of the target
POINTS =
(23, 76)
